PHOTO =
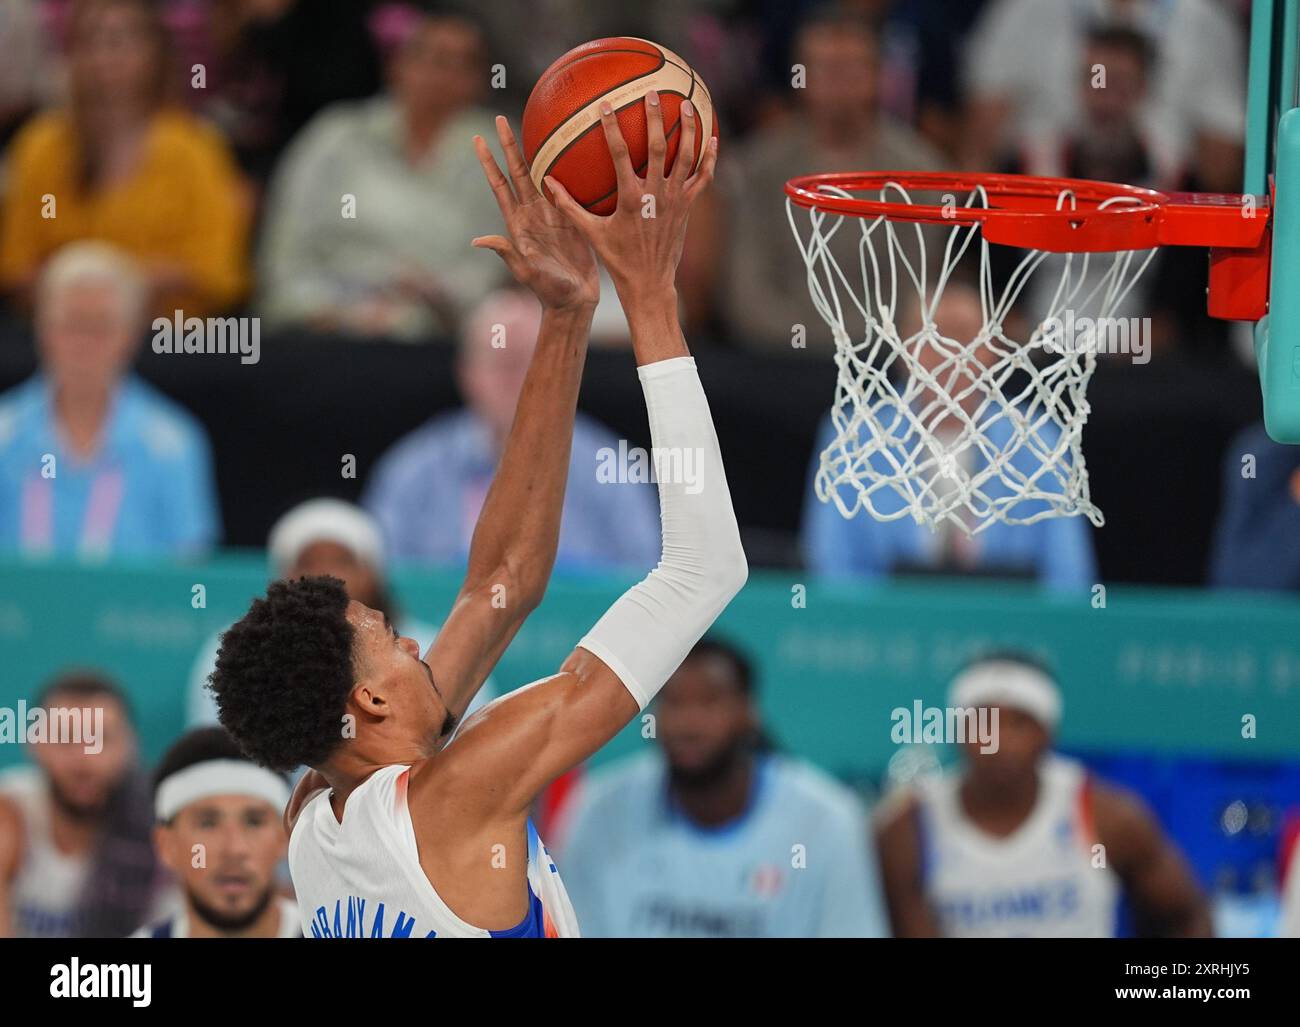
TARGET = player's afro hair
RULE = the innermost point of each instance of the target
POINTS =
(284, 672)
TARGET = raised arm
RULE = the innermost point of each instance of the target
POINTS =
(509, 751)
(513, 548)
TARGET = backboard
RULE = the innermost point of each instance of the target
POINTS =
(1273, 166)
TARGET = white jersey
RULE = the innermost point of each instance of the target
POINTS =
(177, 925)
(46, 895)
(362, 878)
(1038, 882)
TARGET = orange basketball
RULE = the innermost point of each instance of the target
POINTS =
(562, 133)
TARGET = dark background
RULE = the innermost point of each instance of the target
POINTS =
(1155, 442)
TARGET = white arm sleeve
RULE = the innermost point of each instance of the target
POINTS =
(647, 633)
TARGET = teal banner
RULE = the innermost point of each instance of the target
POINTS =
(1158, 671)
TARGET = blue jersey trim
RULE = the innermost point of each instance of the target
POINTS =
(531, 926)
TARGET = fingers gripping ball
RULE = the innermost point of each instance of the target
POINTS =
(562, 133)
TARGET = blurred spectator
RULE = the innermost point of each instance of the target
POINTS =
(718, 837)
(320, 537)
(1057, 551)
(1021, 73)
(1021, 842)
(75, 859)
(427, 490)
(1176, 283)
(93, 461)
(261, 68)
(120, 163)
(1109, 141)
(211, 798)
(1257, 541)
(554, 27)
(921, 42)
(838, 127)
(371, 211)
(278, 63)
(27, 75)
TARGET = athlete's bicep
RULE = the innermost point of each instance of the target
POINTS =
(510, 750)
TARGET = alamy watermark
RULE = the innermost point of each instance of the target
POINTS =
(668, 464)
(945, 725)
(37, 725)
(1109, 336)
(75, 979)
(207, 335)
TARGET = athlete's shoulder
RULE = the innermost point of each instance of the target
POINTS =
(895, 805)
(23, 783)
(1117, 811)
(310, 785)
(902, 804)
(1066, 778)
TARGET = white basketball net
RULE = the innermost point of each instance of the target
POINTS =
(963, 432)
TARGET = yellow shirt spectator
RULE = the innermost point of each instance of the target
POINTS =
(182, 212)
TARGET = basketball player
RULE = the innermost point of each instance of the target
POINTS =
(394, 831)
(697, 839)
(75, 859)
(1025, 843)
(221, 833)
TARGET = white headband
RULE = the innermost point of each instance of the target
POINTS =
(218, 777)
(325, 520)
(1008, 683)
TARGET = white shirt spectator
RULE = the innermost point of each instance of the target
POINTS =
(1199, 81)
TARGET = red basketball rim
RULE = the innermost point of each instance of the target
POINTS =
(1022, 210)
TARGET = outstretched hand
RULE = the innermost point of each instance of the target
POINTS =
(641, 242)
(542, 248)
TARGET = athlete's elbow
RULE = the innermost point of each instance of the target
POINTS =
(515, 588)
(732, 571)
(726, 572)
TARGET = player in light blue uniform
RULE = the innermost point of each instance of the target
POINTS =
(713, 837)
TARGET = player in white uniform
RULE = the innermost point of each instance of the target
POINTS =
(399, 829)
(42, 896)
(210, 799)
(1024, 843)
(75, 859)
